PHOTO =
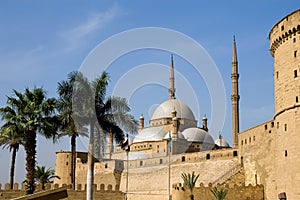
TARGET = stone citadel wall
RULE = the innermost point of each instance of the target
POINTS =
(202, 192)
(105, 192)
(285, 48)
(148, 178)
(256, 149)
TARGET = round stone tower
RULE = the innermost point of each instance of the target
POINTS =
(285, 49)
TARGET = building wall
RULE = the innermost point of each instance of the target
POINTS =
(63, 166)
(284, 42)
(285, 48)
(151, 180)
(105, 192)
(148, 178)
(204, 193)
(272, 155)
(106, 172)
(256, 149)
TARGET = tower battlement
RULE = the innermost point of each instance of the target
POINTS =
(284, 30)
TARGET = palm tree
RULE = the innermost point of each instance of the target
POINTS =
(190, 182)
(43, 176)
(119, 113)
(219, 194)
(11, 137)
(91, 107)
(35, 114)
(64, 106)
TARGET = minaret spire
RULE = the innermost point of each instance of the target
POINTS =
(235, 97)
(172, 87)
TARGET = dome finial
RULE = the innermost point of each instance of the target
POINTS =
(172, 80)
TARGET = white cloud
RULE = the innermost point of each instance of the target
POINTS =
(96, 21)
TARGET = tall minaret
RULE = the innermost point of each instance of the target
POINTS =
(172, 87)
(235, 97)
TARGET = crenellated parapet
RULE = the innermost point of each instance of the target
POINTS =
(102, 191)
(180, 192)
(48, 186)
(284, 30)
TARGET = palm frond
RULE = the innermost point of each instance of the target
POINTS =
(219, 194)
(190, 180)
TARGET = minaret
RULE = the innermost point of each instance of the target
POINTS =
(172, 87)
(235, 97)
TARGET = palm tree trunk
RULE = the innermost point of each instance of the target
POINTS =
(30, 148)
(73, 160)
(97, 145)
(192, 197)
(90, 172)
(12, 167)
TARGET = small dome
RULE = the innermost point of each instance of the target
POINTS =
(222, 143)
(165, 109)
(150, 134)
(197, 135)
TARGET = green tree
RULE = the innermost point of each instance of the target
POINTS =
(91, 107)
(11, 137)
(119, 113)
(35, 114)
(190, 182)
(219, 194)
(67, 124)
(43, 176)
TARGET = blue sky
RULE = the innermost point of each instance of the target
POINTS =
(42, 41)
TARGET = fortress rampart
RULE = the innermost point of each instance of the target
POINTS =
(240, 192)
(256, 149)
(147, 176)
(105, 192)
(285, 48)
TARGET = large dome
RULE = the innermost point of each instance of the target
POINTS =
(165, 109)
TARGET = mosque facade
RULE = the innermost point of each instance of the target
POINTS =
(267, 154)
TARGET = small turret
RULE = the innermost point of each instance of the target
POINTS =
(142, 121)
(204, 123)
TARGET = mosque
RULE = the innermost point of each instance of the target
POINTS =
(172, 130)
(266, 155)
